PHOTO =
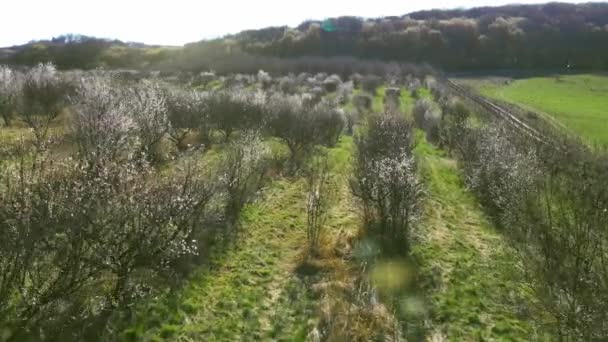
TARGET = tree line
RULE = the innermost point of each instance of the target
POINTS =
(549, 36)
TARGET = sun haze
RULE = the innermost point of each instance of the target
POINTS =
(181, 21)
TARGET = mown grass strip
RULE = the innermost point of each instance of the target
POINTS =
(406, 102)
(473, 279)
(236, 295)
(253, 291)
(378, 100)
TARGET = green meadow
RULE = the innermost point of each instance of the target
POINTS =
(578, 102)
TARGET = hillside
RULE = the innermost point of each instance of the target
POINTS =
(553, 35)
(83, 52)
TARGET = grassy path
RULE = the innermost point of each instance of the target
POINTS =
(473, 279)
(248, 293)
(257, 291)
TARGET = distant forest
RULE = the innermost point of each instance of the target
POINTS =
(549, 36)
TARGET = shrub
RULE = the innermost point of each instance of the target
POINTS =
(302, 78)
(357, 79)
(391, 100)
(290, 121)
(438, 90)
(363, 103)
(421, 107)
(552, 203)
(264, 79)
(412, 83)
(101, 121)
(302, 125)
(331, 83)
(10, 87)
(320, 192)
(186, 111)
(370, 83)
(393, 73)
(232, 110)
(43, 96)
(204, 78)
(288, 85)
(453, 124)
(351, 119)
(385, 178)
(78, 241)
(148, 108)
(329, 121)
(427, 118)
(242, 170)
(498, 172)
(386, 135)
(318, 92)
(565, 239)
(109, 120)
(344, 91)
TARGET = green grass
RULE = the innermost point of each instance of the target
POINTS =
(406, 102)
(349, 107)
(425, 93)
(15, 134)
(252, 291)
(240, 294)
(473, 281)
(378, 100)
(579, 102)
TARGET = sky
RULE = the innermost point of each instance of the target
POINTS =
(177, 22)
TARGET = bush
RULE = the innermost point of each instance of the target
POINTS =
(370, 83)
(566, 238)
(148, 108)
(101, 121)
(344, 92)
(288, 85)
(264, 79)
(391, 100)
(453, 124)
(498, 172)
(232, 110)
(552, 203)
(438, 90)
(357, 79)
(320, 193)
(421, 107)
(427, 118)
(109, 120)
(203, 78)
(186, 112)
(363, 103)
(386, 135)
(291, 121)
(351, 119)
(78, 241)
(385, 179)
(331, 83)
(10, 87)
(43, 96)
(329, 121)
(242, 171)
(302, 125)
